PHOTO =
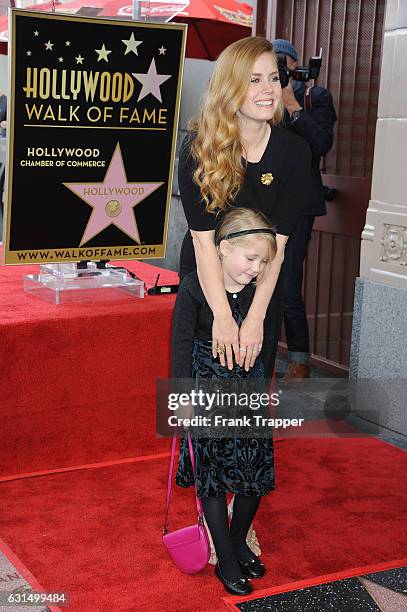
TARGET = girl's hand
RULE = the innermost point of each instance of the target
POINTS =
(250, 341)
(225, 333)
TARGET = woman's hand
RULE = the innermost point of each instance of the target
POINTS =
(225, 333)
(250, 340)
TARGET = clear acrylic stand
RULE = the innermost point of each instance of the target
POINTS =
(66, 283)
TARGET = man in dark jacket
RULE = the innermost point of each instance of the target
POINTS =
(309, 113)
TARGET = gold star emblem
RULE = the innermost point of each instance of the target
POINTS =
(113, 208)
(267, 178)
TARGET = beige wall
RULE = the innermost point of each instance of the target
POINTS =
(384, 239)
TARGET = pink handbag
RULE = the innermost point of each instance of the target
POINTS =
(188, 547)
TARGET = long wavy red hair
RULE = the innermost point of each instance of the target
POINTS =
(217, 146)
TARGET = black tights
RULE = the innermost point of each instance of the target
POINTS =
(230, 543)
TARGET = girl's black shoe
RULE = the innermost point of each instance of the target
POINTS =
(241, 586)
(253, 568)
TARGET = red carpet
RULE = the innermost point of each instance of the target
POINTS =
(70, 435)
(96, 533)
(77, 381)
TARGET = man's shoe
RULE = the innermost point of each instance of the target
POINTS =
(239, 587)
(253, 568)
(296, 373)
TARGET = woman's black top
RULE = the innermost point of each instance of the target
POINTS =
(287, 158)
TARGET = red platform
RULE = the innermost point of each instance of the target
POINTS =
(77, 381)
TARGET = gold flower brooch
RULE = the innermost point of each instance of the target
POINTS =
(267, 178)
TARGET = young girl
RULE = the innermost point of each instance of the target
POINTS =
(246, 245)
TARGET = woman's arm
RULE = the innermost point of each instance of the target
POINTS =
(184, 323)
(202, 227)
(251, 331)
(225, 331)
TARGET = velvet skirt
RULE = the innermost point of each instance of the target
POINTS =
(238, 464)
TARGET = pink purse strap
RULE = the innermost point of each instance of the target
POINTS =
(169, 487)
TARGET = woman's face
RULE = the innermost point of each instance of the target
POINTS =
(264, 91)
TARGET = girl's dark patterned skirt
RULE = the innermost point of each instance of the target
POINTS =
(243, 465)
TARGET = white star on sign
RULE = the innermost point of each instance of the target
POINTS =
(162, 50)
(60, 59)
(68, 43)
(131, 44)
(36, 33)
(28, 52)
(103, 53)
(49, 45)
(151, 82)
(79, 59)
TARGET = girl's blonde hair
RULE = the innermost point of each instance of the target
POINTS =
(239, 219)
(217, 147)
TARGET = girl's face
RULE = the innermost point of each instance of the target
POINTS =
(264, 91)
(243, 262)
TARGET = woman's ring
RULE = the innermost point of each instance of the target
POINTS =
(220, 349)
(243, 349)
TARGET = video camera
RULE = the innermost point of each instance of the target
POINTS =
(301, 73)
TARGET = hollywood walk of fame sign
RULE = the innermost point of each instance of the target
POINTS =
(92, 134)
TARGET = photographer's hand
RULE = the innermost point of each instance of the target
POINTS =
(290, 103)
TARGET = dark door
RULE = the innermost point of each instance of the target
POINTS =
(350, 33)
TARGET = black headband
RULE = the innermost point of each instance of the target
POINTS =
(263, 230)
